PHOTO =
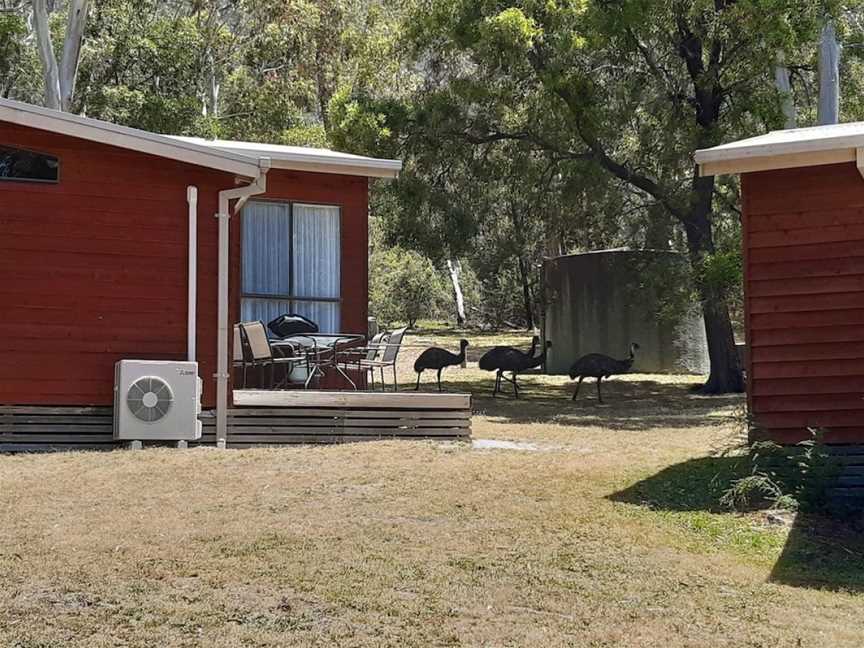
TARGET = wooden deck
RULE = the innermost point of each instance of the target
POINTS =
(307, 416)
(351, 399)
(259, 418)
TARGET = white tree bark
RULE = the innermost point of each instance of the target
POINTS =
(72, 51)
(454, 268)
(213, 94)
(59, 80)
(50, 71)
(784, 85)
(829, 76)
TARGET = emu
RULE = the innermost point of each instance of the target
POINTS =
(503, 358)
(438, 358)
(599, 366)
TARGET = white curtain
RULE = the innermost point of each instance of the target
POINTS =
(317, 268)
(253, 309)
(316, 251)
(266, 248)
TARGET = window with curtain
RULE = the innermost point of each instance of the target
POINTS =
(291, 262)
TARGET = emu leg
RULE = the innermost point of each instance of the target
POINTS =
(515, 386)
(578, 385)
(439, 380)
(599, 395)
(497, 383)
(417, 388)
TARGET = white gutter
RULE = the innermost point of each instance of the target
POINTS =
(192, 299)
(241, 194)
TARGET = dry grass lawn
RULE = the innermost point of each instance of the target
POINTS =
(607, 535)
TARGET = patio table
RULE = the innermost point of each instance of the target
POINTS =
(321, 351)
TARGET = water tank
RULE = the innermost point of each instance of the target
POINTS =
(600, 302)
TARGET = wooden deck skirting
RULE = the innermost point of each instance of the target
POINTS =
(319, 418)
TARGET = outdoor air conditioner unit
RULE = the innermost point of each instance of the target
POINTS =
(156, 401)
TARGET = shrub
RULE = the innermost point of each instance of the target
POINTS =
(404, 286)
(787, 478)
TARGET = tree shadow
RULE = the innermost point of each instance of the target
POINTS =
(823, 552)
(824, 548)
(693, 485)
(631, 405)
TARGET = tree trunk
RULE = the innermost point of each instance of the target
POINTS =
(829, 76)
(726, 375)
(454, 267)
(50, 71)
(72, 51)
(784, 86)
(526, 293)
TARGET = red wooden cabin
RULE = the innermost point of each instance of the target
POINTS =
(803, 220)
(95, 249)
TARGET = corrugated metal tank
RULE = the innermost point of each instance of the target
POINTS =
(600, 302)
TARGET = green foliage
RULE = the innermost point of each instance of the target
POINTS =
(404, 286)
(723, 270)
(19, 76)
(783, 477)
(510, 115)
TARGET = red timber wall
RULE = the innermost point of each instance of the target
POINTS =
(804, 302)
(93, 269)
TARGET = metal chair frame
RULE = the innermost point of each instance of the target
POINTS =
(388, 357)
(261, 353)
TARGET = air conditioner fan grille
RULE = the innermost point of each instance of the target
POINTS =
(149, 398)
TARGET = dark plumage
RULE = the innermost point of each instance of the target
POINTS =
(599, 366)
(504, 358)
(438, 358)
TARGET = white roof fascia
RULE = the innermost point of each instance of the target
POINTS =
(300, 158)
(786, 149)
(95, 130)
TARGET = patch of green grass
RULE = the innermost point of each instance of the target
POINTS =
(704, 532)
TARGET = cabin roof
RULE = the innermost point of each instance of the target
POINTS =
(304, 158)
(785, 149)
(241, 158)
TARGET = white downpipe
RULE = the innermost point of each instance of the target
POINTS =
(241, 194)
(192, 312)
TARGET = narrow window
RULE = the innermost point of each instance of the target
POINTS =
(18, 164)
(292, 262)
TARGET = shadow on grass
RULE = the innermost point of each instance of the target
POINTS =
(820, 552)
(630, 405)
(694, 485)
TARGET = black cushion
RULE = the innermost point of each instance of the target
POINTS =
(291, 324)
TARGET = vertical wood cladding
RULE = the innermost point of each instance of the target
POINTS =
(804, 290)
(93, 269)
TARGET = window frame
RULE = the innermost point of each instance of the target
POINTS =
(15, 147)
(288, 297)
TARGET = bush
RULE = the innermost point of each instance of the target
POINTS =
(404, 286)
(787, 478)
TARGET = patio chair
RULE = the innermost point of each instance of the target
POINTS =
(373, 351)
(261, 353)
(241, 354)
(352, 358)
(387, 358)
